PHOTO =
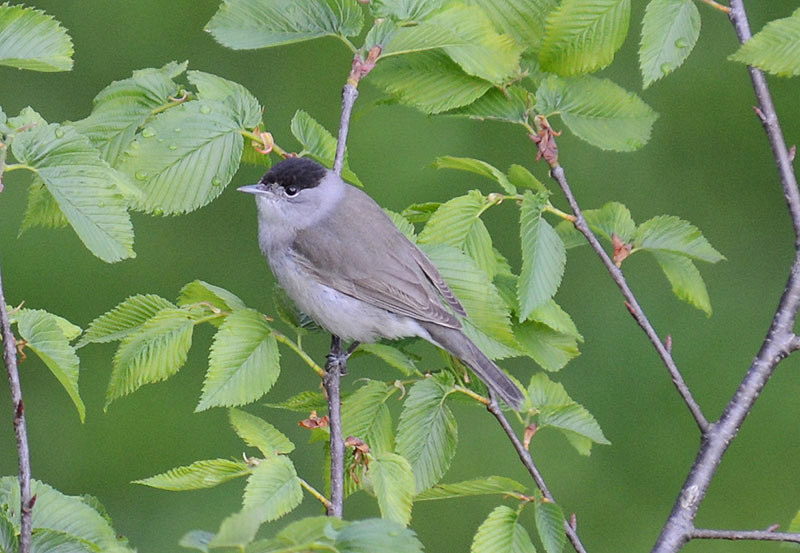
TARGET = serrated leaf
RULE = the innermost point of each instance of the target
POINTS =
(670, 29)
(420, 213)
(403, 225)
(256, 432)
(198, 475)
(124, 106)
(427, 432)
(685, 279)
(377, 536)
(8, 535)
(49, 541)
(247, 24)
(429, 81)
(304, 402)
(674, 235)
(475, 166)
(582, 36)
(598, 111)
(522, 19)
(393, 482)
(42, 210)
(273, 488)
(87, 190)
(553, 316)
(44, 335)
(199, 291)
(479, 486)
(311, 529)
(184, 157)
(612, 218)
(512, 104)
(125, 318)
(319, 143)
(365, 415)
(775, 49)
(550, 526)
(543, 257)
(154, 352)
(243, 104)
(237, 530)
(571, 237)
(31, 39)
(404, 10)
(501, 532)
(551, 349)
(453, 222)
(392, 356)
(243, 363)
(520, 177)
(413, 38)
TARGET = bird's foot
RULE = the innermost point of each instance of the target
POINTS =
(337, 359)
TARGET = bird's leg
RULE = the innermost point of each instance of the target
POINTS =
(337, 358)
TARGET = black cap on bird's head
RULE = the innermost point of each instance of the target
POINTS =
(295, 172)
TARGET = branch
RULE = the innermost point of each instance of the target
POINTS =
(632, 304)
(758, 535)
(20, 427)
(524, 455)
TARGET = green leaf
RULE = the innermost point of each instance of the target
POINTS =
(124, 319)
(44, 334)
(478, 167)
(243, 363)
(670, 29)
(87, 190)
(393, 482)
(429, 81)
(414, 38)
(479, 486)
(256, 432)
(427, 432)
(392, 356)
(247, 24)
(612, 218)
(501, 532)
(31, 39)
(365, 415)
(553, 316)
(42, 210)
(420, 213)
(154, 352)
(49, 541)
(551, 349)
(304, 402)
(404, 10)
(543, 257)
(185, 157)
(311, 529)
(522, 178)
(775, 49)
(403, 225)
(582, 36)
(685, 279)
(237, 530)
(674, 235)
(124, 106)
(319, 143)
(377, 536)
(273, 489)
(794, 525)
(8, 535)
(512, 104)
(598, 111)
(571, 237)
(550, 526)
(243, 104)
(196, 539)
(199, 291)
(198, 475)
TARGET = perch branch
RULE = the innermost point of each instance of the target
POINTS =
(757, 535)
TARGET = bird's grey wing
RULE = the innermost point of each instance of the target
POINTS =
(389, 272)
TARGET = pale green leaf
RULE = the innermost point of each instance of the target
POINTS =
(429, 81)
(31, 39)
(49, 541)
(393, 483)
(421, 212)
(582, 36)
(196, 539)
(304, 402)
(522, 19)
(674, 235)
(403, 225)
(377, 536)
(124, 106)
(125, 318)
(478, 246)
(256, 432)
(414, 38)
(273, 488)
(44, 335)
(512, 104)
(453, 222)
(612, 218)
(794, 525)
(243, 104)
(404, 10)
(685, 279)
(776, 48)
(42, 210)
(670, 29)
(311, 529)
(154, 352)
(184, 157)
(88, 191)
(479, 486)
(199, 291)
(598, 111)
(550, 348)
(319, 143)
(501, 532)
(198, 475)
(237, 530)
(522, 178)
(247, 24)
(392, 356)
(552, 315)
(365, 415)
(243, 363)
(543, 257)
(427, 432)
(478, 167)
(289, 313)
(550, 526)
(8, 535)
(571, 237)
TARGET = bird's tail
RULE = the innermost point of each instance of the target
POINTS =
(457, 343)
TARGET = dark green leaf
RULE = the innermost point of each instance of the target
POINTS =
(42, 210)
(480, 486)
(685, 279)
(256, 432)
(31, 39)
(198, 475)
(776, 48)
(550, 526)
(377, 536)
(670, 29)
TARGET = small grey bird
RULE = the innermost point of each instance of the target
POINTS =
(346, 265)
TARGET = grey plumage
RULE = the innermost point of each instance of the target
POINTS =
(344, 263)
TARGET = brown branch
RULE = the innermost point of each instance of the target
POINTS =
(757, 535)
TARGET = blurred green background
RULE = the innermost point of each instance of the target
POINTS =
(707, 162)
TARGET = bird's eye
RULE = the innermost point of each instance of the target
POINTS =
(291, 190)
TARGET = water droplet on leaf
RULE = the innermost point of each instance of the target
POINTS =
(141, 175)
(666, 68)
(205, 110)
(176, 130)
(148, 132)
(59, 133)
(173, 147)
(681, 43)
(216, 181)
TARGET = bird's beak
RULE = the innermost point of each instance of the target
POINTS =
(253, 189)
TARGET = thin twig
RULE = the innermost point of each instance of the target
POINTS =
(524, 455)
(20, 427)
(758, 535)
(717, 6)
(635, 309)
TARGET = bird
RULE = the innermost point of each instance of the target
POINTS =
(346, 265)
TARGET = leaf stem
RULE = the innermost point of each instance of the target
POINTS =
(285, 340)
(717, 6)
(562, 214)
(318, 496)
(477, 397)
